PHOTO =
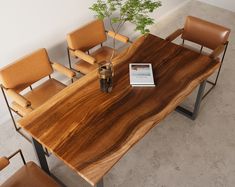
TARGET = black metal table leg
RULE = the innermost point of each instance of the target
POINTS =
(41, 156)
(193, 115)
(100, 183)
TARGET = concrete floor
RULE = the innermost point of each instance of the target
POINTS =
(178, 152)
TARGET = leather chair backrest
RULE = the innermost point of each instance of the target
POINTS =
(87, 36)
(205, 33)
(26, 71)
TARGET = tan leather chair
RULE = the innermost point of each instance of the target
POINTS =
(30, 175)
(85, 38)
(206, 34)
(18, 76)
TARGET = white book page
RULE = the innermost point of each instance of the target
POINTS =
(141, 74)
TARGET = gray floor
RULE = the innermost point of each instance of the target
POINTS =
(178, 152)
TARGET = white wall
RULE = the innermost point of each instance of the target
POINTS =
(30, 24)
(226, 4)
(27, 25)
(168, 6)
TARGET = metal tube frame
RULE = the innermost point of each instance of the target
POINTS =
(21, 155)
(70, 63)
(193, 114)
(18, 129)
(218, 73)
(213, 83)
(24, 162)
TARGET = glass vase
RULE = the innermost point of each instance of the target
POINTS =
(105, 73)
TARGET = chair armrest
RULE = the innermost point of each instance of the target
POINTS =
(119, 37)
(84, 56)
(4, 162)
(64, 70)
(217, 51)
(21, 100)
(174, 35)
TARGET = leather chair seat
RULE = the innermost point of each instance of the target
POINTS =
(30, 175)
(102, 54)
(38, 96)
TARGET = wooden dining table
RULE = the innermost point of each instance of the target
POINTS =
(90, 130)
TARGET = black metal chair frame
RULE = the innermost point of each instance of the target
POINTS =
(24, 162)
(88, 52)
(69, 58)
(17, 128)
(201, 95)
(21, 155)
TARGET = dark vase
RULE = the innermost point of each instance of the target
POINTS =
(105, 72)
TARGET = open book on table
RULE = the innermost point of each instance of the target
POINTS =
(141, 74)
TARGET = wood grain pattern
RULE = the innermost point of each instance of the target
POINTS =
(90, 130)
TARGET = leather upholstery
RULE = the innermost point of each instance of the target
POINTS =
(119, 37)
(39, 95)
(21, 100)
(22, 111)
(62, 69)
(101, 55)
(217, 51)
(84, 67)
(24, 72)
(4, 161)
(205, 33)
(30, 175)
(84, 56)
(87, 36)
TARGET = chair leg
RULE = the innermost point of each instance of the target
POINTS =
(69, 58)
(217, 76)
(9, 109)
(225, 50)
(18, 129)
(70, 63)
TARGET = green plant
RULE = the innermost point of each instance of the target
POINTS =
(118, 12)
(121, 11)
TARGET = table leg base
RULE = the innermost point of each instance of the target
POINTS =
(41, 156)
(193, 114)
(40, 153)
(100, 183)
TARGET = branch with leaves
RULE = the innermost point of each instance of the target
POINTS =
(121, 11)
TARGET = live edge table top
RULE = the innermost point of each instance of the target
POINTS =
(90, 130)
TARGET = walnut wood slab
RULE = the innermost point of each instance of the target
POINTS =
(90, 130)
